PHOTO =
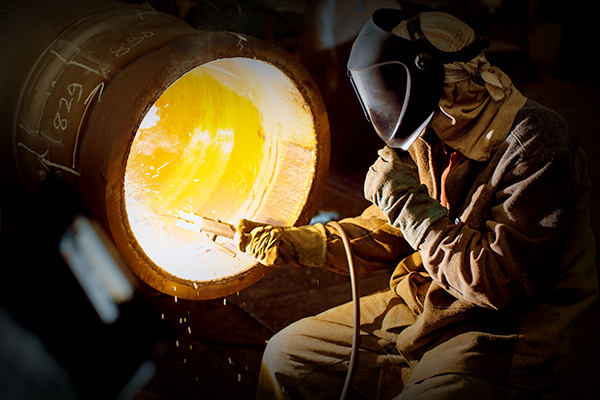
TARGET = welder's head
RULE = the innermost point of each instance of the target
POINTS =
(397, 68)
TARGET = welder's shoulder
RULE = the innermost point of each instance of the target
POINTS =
(538, 129)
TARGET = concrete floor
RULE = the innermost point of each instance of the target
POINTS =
(219, 356)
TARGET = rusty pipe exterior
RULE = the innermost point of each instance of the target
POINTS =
(78, 77)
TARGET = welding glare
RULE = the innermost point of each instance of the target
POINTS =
(210, 146)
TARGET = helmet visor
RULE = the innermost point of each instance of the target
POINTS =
(384, 91)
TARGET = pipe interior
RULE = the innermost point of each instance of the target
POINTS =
(230, 139)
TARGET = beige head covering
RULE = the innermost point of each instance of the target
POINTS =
(479, 102)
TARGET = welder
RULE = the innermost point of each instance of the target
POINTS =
(480, 206)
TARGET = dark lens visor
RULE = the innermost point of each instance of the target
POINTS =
(384, 92)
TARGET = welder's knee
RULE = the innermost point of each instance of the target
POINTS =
(276, 357)
(283, 365)
(307, 358)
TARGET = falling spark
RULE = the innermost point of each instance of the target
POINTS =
(224, 302)
(229, 358)
(175, 299)
(239, 377)
(189, 330)
(177, 343)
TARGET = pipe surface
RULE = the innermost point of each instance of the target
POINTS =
(79, 78)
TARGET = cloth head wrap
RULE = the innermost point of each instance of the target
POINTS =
(479, 101)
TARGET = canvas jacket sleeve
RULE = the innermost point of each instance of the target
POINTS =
(506, 241)
(375, 244)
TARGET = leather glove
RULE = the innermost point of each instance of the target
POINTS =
(305, 244)
(391, 184)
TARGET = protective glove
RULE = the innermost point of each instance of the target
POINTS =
(305, 244)
(392, 185)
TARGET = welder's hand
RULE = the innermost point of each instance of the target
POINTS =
(392, 185)
(306, 245)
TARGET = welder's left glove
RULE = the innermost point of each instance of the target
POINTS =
(391, 184)
(305, 244)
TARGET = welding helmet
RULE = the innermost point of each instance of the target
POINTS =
(399, 81)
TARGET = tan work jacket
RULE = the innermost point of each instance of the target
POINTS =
(495, 286)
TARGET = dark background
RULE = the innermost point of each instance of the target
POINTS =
(212, 349)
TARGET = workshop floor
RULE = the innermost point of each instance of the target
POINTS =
(218, 345)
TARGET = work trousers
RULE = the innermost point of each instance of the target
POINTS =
(309, 360)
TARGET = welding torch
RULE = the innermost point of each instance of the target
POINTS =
(197, 223)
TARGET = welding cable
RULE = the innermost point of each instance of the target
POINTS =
(355, 301)
(356, 308)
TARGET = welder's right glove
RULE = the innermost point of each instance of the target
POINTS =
(305, 244)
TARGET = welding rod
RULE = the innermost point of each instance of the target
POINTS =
(197, 223)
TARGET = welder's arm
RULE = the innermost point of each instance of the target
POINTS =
(518, 250)
(375, 244)
(391, 184)
(541, 212)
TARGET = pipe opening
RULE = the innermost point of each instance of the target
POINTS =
(233, 138)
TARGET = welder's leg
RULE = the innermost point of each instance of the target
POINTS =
(309, 359)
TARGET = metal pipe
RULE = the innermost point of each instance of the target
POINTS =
(81, 83)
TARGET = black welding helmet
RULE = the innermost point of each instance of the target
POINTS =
(399, 81)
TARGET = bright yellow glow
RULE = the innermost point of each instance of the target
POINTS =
(197, 157)
(230, 139)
